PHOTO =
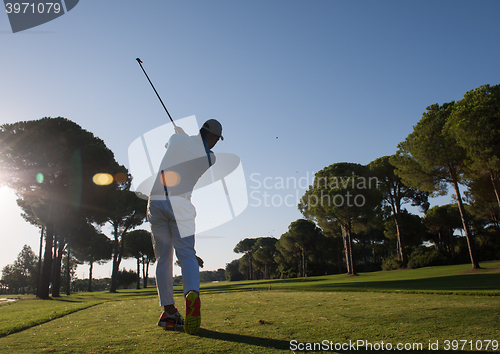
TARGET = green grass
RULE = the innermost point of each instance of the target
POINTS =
(24, 314)
(456, 279)
(237, 320)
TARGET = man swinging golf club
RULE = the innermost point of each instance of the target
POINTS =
(171, 216)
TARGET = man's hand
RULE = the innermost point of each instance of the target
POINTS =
(179, 130)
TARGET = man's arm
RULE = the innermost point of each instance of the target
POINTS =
(179, 130)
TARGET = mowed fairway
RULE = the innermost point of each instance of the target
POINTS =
(240, 320)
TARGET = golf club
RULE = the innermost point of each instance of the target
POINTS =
(140, 64)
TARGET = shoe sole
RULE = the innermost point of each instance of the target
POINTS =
(192, 321)
(172, 327)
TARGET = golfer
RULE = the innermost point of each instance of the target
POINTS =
(171, 216)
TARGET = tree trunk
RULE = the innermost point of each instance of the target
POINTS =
(347, 249)
(143, 261)
(470, 239)
(493, 181)
(117, 256)
(138, 273)
(39, 271)
(116, 265)
(54, 261)
(401, 240)
(43, 292)
(438, 242)
(91, 266)
(146, 275)
(68, 273)
(351, 258)
(56, 283)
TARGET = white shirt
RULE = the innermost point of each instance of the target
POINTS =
(184, 162)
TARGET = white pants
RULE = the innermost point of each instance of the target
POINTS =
(166, 237)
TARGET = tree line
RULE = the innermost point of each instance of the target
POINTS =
(351, 222)
(354, 215)
(21, 277)
(53, 165)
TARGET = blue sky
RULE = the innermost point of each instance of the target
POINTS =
(297, 85)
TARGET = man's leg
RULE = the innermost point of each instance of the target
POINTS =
(186, 254)
(184, 249)
(161, 230)
(162, 244)
(159, 217)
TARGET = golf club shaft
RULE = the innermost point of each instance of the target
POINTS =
(166, 110)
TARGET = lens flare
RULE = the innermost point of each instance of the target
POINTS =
(120, 177)
(102, 179)
(39, 177)
(171, 178)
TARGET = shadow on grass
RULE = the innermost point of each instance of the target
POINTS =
(120, 295)
(48, 318)
(465, 284)
(285, 345)
(452, 283)
(65, 299)
(403, 351)
(134, 292)
(240, 338)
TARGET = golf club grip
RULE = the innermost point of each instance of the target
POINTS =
(139, 61)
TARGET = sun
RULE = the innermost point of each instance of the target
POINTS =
(7, 199)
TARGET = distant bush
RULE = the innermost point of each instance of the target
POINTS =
(391, 263)
(126, 278)
(101, 284)
(178, 280)
(426, 257)
(212, 275)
